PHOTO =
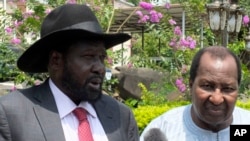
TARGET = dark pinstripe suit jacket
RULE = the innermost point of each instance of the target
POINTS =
(31, 115)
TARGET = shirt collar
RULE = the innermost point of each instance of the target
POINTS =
(65, 105)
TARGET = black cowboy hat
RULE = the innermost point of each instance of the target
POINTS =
(61, 26)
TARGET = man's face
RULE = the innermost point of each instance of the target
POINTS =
(214, 92)
(83, 72)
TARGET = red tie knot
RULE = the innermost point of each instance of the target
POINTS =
(80, 113)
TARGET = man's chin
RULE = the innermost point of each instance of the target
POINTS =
(94, 98)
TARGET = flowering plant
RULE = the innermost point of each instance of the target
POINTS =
(21, 27)
(165, 48)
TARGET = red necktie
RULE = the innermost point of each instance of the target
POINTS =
(84, 132)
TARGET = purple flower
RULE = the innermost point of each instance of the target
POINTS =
(173, 43)
(159, 15)
(17, 23)
(139, 13)
(8, 30)
(172, 22)
(15, 41)
(178, 82)
(144, 19)
(184, 42)
(167, 5)
(177, 31)
(146, 6)
(29, 12)
(130, 65)
(246, 20)
(192, 44)
(155, 16)
(182, 88)
(188, 42)
(180, 85)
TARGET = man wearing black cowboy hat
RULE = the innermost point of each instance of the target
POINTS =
(72, 50)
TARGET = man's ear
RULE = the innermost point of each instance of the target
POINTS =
(55, 60)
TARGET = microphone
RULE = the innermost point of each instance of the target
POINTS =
(155, 134)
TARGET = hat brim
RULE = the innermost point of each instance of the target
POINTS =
(35, 58)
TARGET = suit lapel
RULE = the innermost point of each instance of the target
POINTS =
(47, 114)
(109, 119)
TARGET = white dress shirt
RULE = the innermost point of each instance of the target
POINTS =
(69, 122)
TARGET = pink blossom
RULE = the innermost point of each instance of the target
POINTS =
(182, 88)
(15, 41)
(172, 22)
(184, 42)
(146, 6)
(130, 65)
(144, 19)
(17, 23)
(159, 15)
(167, 5)
(192, 44)
(173, 43)
(246, 20)
(180, 85)
(8, 30)
(188, 42)
(29, 12)
(139, 13)
(22, 1)
(177, 31)
(178, 82)
(71, 1)
(47, 11)
(155, 18)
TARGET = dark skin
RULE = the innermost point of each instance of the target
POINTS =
(80, 71)
(214, 92)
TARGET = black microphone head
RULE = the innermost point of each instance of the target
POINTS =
(155, 134)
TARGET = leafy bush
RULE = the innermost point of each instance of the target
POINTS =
(8, 70)
(144, 114)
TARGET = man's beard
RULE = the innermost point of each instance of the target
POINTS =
(77, 92)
